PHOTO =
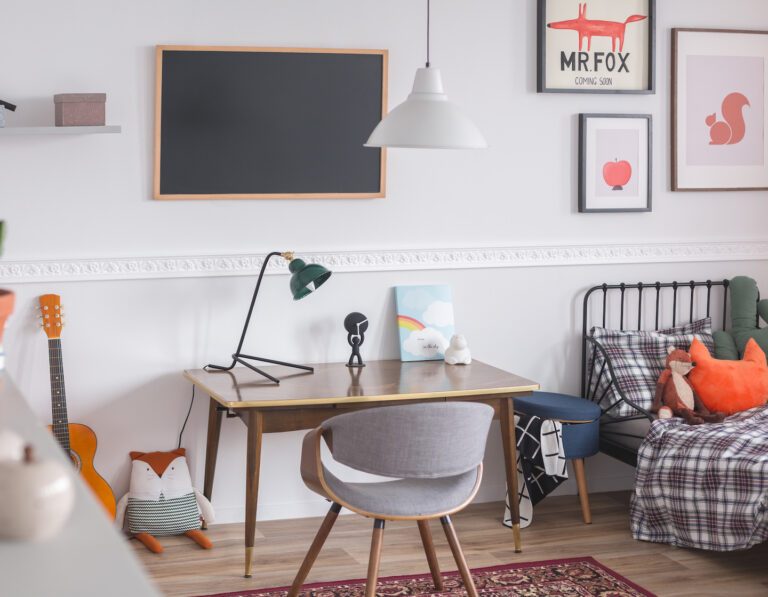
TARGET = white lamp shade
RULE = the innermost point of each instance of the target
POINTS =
(426, 119)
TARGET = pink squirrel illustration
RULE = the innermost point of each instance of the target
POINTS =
(733, 129)
(589, 28)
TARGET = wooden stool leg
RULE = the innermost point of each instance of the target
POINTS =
(581, 482)
(429, 549)
(375, 558)
(314, 549)
(458, 555)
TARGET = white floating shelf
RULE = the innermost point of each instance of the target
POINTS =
(59, 130)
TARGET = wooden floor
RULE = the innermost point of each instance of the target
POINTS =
(557, 532)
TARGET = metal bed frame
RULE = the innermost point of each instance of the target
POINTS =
(591, 378)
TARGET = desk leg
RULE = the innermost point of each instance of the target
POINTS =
(253, 462)
(507, 420)
(211, 450)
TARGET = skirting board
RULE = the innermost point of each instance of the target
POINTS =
(199, 266)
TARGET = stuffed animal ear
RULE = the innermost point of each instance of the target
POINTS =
(699, 352)
(135, 455)
(670, 349)
(754, 353)
(179, 451)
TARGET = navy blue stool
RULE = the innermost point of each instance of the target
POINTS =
(581, 430)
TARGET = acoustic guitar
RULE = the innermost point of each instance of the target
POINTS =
(79, 441)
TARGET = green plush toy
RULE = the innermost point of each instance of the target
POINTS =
(744, 310)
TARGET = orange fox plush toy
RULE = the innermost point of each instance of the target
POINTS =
(675, 395)
(161, 500)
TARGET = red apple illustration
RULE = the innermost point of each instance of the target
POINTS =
(617, 174)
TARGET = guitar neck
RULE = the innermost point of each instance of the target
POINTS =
(58, 394)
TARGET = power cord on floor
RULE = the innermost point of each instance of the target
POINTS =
(191, 402)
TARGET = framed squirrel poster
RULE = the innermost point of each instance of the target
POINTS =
(596, 46)
(719, 104)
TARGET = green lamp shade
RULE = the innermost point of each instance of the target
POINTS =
(306, 277)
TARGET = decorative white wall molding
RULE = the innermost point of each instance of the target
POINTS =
(196, 266)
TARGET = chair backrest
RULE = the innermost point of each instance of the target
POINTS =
(429, 440)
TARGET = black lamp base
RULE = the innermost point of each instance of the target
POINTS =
(239, 358)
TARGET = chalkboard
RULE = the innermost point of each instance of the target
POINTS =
(250, 123)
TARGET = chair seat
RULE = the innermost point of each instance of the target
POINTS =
(405, 497)
(560, 407)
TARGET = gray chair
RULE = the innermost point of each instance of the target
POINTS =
(434, 450)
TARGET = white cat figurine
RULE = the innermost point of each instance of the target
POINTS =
(457, 352)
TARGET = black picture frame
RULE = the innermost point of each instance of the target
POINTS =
(596, 68)
(589, 202)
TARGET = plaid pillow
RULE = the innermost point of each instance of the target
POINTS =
(638, 358)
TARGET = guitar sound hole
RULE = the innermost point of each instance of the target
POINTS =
(76, 460)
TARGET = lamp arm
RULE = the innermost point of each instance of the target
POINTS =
(250, 311)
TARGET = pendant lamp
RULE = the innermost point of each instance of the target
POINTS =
(426, 119)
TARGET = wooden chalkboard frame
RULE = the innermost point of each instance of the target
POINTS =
(158, 124)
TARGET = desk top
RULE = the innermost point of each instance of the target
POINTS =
(335, 383)
(88, 557)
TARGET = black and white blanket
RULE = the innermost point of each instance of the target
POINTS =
(541, 464)
(704, 486)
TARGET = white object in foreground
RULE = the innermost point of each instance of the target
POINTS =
(56, 566)
(37, 498)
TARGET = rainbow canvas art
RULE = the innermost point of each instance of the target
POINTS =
(424, 321)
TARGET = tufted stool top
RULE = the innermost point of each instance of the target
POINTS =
(560, 407)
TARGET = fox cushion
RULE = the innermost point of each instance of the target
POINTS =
(161, 500)
(730, 386)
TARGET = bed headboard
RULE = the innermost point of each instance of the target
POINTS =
(651, 306)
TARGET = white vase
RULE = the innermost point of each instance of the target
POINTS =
(36, 496)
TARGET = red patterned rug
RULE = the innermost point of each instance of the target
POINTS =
(573, 577)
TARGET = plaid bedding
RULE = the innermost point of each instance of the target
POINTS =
(638, 358)
(703, 486)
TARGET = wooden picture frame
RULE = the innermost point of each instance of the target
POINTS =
(610, 51)
(221, 132)
(719, 110)
(615, 164)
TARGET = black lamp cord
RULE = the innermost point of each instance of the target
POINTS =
(427, 34)
(191, 402)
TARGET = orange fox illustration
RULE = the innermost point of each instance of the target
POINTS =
(589, 28)
(734, 128)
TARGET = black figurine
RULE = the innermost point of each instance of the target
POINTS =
(355, 324)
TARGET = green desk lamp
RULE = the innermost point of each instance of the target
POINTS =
(305, 278)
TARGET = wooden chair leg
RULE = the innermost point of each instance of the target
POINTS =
(581, 482)
(375, 557)
(429, 549)
(314, 549)
(458, 555)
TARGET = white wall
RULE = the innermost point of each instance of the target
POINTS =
(89, 197)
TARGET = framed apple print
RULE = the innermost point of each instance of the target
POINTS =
(596, 46)
(614, 162)
(719, 107)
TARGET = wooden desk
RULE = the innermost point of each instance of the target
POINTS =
(303, 400)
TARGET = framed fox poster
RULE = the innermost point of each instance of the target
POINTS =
(596, 46)
(719, 105)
